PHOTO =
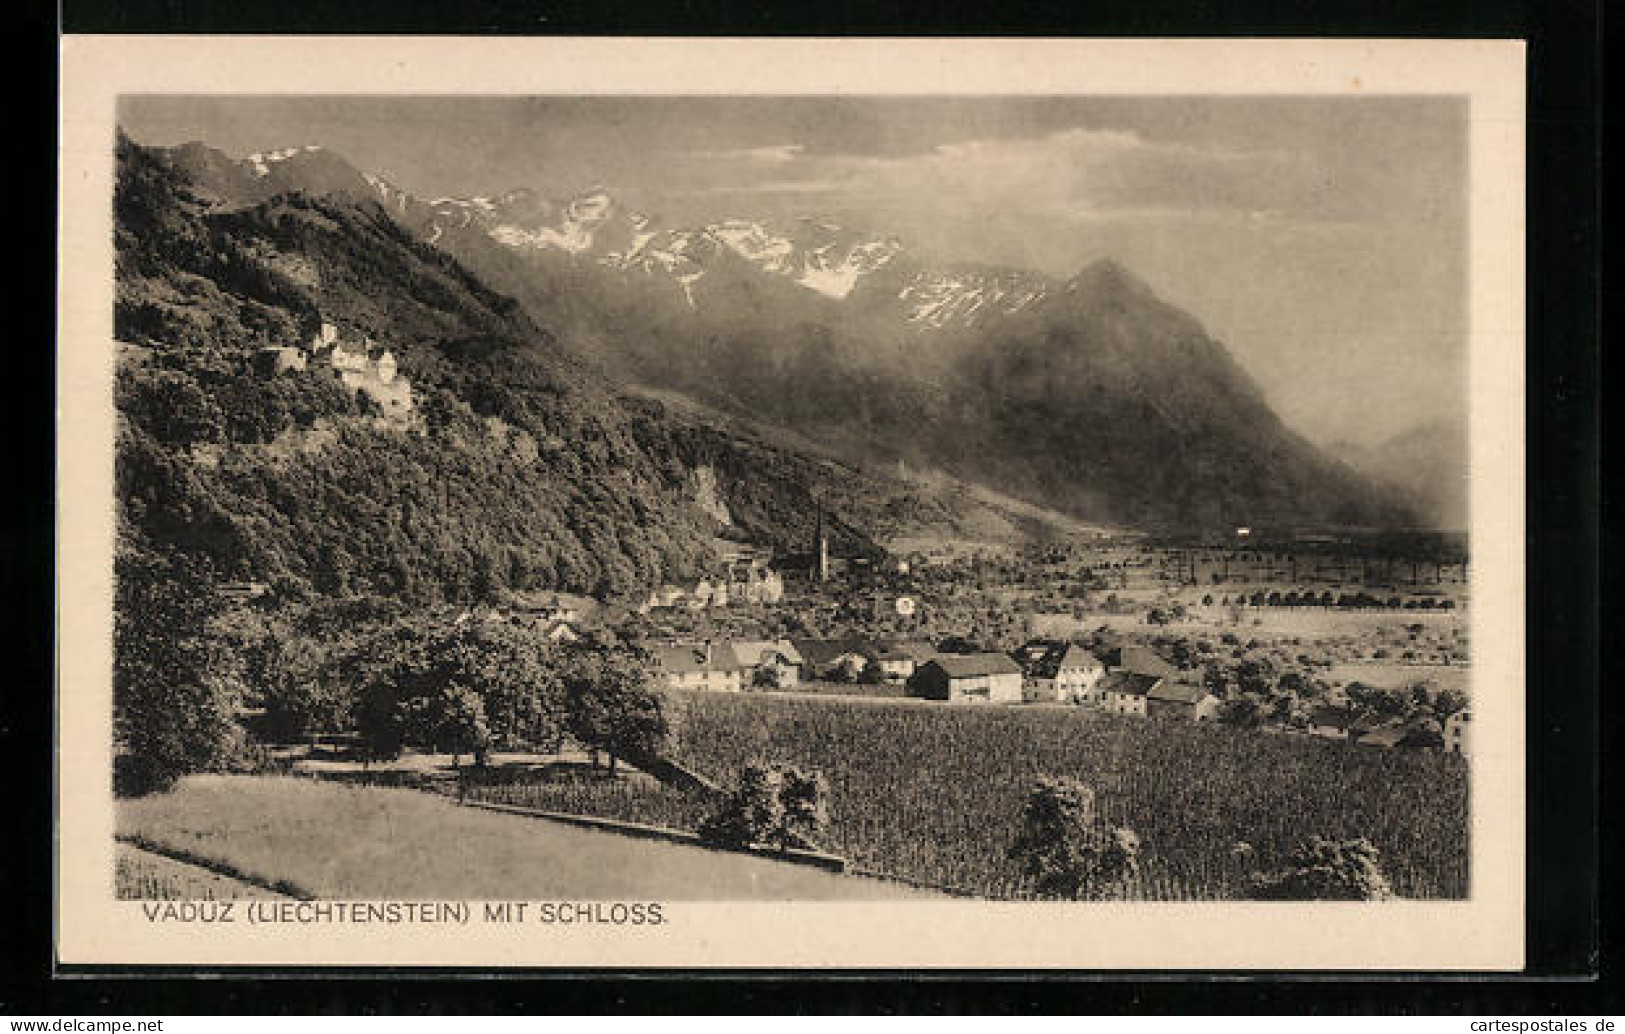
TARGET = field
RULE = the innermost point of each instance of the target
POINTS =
(935, 794)
(1390, 676)
(142, 875)
(322, 840)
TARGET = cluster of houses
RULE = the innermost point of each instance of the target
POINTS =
(746, 577)
(1125, 680)
(739, 664)
(1130, 680)
(362, 365)
(1336, 722)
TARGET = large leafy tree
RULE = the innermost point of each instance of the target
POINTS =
(613, 707)
(175, 688)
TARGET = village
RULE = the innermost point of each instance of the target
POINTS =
(1373, 653)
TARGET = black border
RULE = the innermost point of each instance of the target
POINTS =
(1565, 939)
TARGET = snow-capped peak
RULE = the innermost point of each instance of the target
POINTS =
(261, 161)
(388, 193)
(752, 242)
(943, 298)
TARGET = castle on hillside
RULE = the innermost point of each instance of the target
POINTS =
(362, 365)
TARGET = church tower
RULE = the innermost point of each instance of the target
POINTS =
(823, 547)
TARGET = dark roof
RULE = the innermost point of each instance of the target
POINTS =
(1043, 658)
(1338, 717)
(919, 653)
(1130, 682)
(687, 659)
(1387, 736)
(1178, 693)
(973, 665)
(1141, 660)
(819, 652)
(1040, 657)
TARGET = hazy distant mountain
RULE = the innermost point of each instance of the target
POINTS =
(1090, 395)
(1427, 464)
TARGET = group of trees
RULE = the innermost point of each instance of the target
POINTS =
(475, 687)
(175, 696)
(396, 679)
(1344, 601)
(1262, 684)
(774, 805)
(1067, 852)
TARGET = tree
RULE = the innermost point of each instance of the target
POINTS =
(1063, 850)
(1447, 701)
(1241, 712)
(612, 706)
(1326, 870)
(778, 806)
(175, 690)
(465, 687)
(1424, 735)
(460, 726)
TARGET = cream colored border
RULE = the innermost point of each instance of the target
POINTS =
(1484, 933)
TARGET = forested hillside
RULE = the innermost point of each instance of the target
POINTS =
(520, 467)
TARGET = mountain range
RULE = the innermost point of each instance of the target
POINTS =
(1088, 394)
(1426, 465)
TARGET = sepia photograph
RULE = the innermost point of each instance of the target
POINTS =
(571, 509)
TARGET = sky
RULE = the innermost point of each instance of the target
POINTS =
(1322, 240)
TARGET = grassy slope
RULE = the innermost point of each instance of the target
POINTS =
(142, 875)
(348, 842)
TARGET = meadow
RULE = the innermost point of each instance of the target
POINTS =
(142, 875)
(315, 838)
(935, 794)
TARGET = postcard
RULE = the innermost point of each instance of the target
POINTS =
(1030, 505)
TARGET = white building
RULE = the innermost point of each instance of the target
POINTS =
(1458, 733)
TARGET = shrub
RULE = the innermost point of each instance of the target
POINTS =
(1062, 849)
(775, 806)
(1326, 870)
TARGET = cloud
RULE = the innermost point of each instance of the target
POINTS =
(1076, 174)
(1071, 171)
(809, 186)
(772, 153)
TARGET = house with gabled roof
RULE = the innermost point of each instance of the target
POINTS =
(709, 666)
(1059, 671)
(1127, 692)
(1139, 660)
(1181, 700)
(990, 678)
(899, 660)
(842, 659)
(775, 659)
